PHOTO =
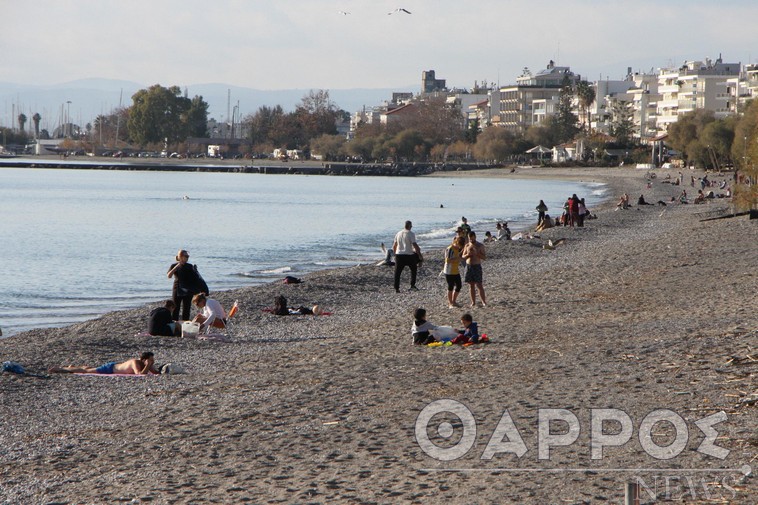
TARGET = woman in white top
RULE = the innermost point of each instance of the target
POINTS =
(212, 311)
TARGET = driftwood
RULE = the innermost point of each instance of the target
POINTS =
(735, 214)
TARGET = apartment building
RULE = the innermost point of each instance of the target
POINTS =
(695, 85)
(541, 90)
(638, 89)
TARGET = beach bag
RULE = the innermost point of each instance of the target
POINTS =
(280, 306)
(171, 369)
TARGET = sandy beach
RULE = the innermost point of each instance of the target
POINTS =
(648, 310)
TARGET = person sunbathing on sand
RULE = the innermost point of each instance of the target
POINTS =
(141, 366)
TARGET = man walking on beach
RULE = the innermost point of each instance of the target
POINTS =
(474, 254)
(407, 253)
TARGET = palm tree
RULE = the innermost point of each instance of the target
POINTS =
(36, 119)
(21, 121)
(586, 95)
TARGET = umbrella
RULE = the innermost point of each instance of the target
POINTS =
(539, 150)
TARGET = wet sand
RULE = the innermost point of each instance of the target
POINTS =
(642, 310)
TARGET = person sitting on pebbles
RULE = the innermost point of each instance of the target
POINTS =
(212, 311)
(142, 366)
(470, 332)
(421, 329)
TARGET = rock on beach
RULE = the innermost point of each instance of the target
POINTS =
(643, 309)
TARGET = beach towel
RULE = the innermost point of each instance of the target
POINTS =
(214, 337)
(271, 311)
(109, 374)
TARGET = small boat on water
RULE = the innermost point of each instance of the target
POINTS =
(6, 154)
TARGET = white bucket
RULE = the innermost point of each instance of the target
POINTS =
(190, 329)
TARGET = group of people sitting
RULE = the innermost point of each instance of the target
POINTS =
(423, 331)
(162, 323)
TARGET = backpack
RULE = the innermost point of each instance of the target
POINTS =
(280, 306)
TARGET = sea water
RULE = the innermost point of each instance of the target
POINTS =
(75, 244)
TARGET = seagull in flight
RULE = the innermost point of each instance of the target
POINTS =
(343, 13)
(399, 9)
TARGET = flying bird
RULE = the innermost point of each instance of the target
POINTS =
(343, 13)
(399, 9)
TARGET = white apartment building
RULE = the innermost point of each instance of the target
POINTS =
(695, 85)
(639, 90)
(542, 90)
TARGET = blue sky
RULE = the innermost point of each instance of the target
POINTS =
(285, 44)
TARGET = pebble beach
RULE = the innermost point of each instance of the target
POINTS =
(646, 309)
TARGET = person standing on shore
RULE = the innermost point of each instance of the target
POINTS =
(541, 209)
(407, 253)
(187, 283)
(474, 254)
(465, 226)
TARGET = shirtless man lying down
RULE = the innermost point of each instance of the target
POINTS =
(141, 366)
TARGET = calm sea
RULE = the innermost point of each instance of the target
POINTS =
(78, 243)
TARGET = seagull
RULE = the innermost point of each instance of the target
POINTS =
(399, 9)
(343, 13)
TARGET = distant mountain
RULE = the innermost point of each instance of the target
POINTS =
(92, 97)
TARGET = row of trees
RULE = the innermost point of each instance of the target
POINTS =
(272, 127)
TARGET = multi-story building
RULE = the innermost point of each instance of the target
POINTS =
(639, 90)
(517, 102)
(695, 85)
(430, 83)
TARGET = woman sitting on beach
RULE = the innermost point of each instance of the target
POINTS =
(141, 366)
(547, 222)
(212, 311)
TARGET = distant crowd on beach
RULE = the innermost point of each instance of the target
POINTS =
(463, 260)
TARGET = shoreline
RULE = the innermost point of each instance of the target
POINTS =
(14, 324)
(643, 309)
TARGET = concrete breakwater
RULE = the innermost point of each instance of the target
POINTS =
(239, 166)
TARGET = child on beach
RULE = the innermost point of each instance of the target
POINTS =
(470, 332)
(142, 366)
(421, 328)
(452, 271)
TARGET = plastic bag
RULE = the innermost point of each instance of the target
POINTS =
(444, 333)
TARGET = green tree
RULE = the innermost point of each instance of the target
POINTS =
(159, 113)
(473, 131)
(745, 153)
(565, 121)
(260, 123)
(718, 136)
(585, 95)
(331, 147)
(197, 118)
(684, 135)
(495, 144)
(622, 123)
(546, 134)
(363, 146)
(317, 114)
(21, 121)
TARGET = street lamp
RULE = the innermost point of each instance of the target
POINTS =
(68, 117)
